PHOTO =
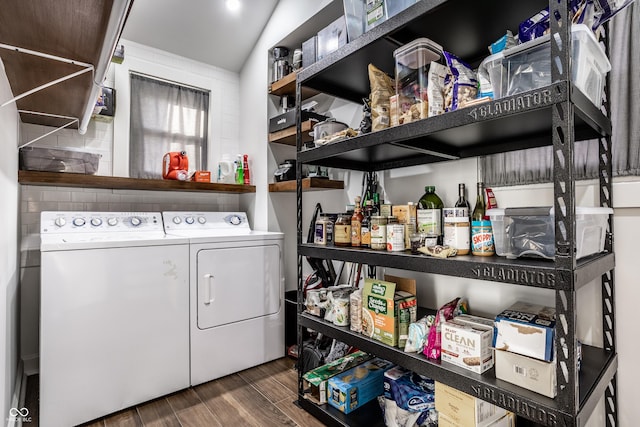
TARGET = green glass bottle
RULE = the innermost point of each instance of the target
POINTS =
(429, 213)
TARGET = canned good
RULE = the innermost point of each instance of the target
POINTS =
(379, 233)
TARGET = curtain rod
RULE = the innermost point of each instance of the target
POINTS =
(160, 79)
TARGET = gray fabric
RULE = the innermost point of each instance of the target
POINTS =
(166, 117)
(536, 165)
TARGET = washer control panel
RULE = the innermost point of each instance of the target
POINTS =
(99, 222)
(210, 221)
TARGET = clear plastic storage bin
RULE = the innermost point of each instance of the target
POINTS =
(411, 72)
(492, 70)
(529, 64)
(363, 15)
(58, 160)
(521, 232)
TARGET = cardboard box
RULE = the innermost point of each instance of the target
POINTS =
(467, 345)
(388, 309)
(464, 410)
(201, 176)
(526, 329)
(507, 420)
(351, 389)
(532, 374)
(315, 381)
(406, 213)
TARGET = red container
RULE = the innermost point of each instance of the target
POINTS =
(175, 165)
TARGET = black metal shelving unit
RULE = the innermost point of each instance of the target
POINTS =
(556, 115)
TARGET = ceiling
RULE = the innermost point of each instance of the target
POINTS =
(202, 30)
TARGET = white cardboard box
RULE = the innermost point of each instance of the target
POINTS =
(463, 410)
(467, 345)
(507, 420)
(527, 372)
(526, 329)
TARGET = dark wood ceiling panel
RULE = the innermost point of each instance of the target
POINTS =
(71, 29)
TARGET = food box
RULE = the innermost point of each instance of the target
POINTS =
(464, 410)
(315, 381)
(406, 214)
(351, 389)
(387, 312)
(529, 64)
(532, 374)
(201, 176)
(526, 329)
(411, 78)
(467, 345)
(522, 232)
(58, 160)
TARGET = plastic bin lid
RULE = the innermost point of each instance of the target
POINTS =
(419, 51)
(495, 212)
(546, 210)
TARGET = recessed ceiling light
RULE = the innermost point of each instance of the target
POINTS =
(233, 5)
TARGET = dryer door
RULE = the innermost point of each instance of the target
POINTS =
(237, 283)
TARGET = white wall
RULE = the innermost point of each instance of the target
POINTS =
(9, 293)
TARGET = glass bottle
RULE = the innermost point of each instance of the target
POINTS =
(479, 209)
(429, 213)
(356, 224)
(462, 199)
(376, 204)
(342, 230)
(365, 231)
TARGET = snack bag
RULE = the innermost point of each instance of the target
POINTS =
(382, 88)
(435, 88)
(446, 312)
(461, 85)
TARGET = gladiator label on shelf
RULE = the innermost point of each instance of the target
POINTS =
(515, 104)
(519, 276)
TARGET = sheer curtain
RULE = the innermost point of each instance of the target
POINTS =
(535, 165)
(166, 116)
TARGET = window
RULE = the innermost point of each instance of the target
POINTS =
(166, 116)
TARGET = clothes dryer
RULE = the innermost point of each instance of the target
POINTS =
(114, 314)
(236, 292)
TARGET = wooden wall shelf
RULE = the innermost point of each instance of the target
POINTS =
(308, 184)
(61, 179)
(288, 136)
(287, 86)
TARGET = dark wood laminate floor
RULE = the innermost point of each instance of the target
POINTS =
(260, 396)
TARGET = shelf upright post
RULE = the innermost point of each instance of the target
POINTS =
(564, 206)
(605, 175)
(300, 296)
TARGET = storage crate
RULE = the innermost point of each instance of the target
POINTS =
(363, 15)
(492, 71)
(530, 231)
(529, 64)
(58, 160)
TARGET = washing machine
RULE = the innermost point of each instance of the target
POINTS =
(114, 320)
(236, 292)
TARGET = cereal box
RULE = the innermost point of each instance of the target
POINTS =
(351, 389)
(526, 329)
(315, 381)
(387, 312)
(467, 345)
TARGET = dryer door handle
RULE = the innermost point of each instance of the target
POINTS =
(209, 294)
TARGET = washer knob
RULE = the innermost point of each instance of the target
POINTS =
(79, 222)
(60, 221)
(112, 221)
(202, 219)
(189, 220)
(235, 220)
(135, 221)
(96, 222)
(177, 220)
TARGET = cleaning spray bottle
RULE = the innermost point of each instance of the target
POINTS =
(239, 171)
